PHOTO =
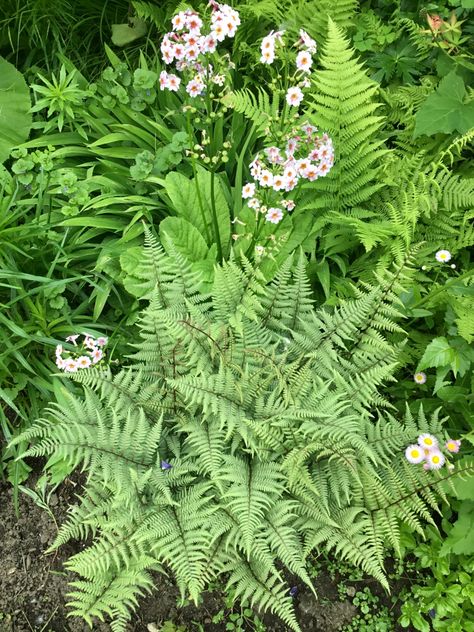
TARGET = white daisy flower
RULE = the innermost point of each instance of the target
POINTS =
(443, 256)
(435, 459)
(420, 377)
(414, 454)
(428, 441)
(453, 445)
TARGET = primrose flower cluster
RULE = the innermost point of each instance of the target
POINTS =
(186, 47)
(89, 352)
(428, 452)
(306, 47)
(306, 156)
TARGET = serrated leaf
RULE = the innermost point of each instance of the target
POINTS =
(437, 353)
(445, 111)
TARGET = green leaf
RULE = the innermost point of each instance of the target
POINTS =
(191, 199)
(179, 234)
(437, 353)
(123, 34)
(445, 110)
(460, 539)
(15, 103)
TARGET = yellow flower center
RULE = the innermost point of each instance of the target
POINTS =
(428, 441)
(435, 459)
(415, 454)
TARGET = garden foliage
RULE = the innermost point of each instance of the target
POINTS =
(240, 438)
(301, 313)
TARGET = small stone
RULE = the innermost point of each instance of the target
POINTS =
(151, 627)
(53, 501)
(350, 591)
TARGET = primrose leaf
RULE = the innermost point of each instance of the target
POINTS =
(123, 34)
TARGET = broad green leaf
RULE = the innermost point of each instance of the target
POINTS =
(179, 234)
(123, 34)
(222, 208)
(15, 104)
(191, 199)
(460, 539)
(445, 111)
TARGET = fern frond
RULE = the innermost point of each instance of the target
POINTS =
(344, 107)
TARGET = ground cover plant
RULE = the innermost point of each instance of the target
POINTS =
(300, 374)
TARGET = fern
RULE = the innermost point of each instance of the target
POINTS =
(257, 108)
(344, 106)
(244, 435)
(313, 15)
